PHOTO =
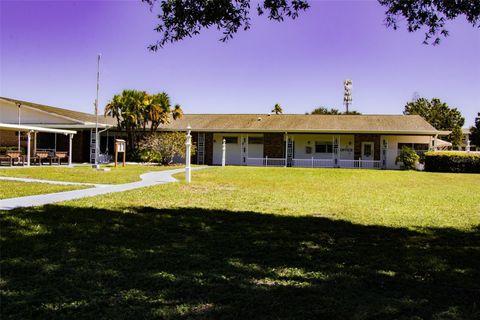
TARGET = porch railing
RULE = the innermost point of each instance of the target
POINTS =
(313, 163)
(365, 164)
(266, 162)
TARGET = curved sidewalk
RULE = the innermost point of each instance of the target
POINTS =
(148, 179)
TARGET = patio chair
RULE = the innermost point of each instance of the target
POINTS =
(42, 156)
(59, 155)
(15, 156)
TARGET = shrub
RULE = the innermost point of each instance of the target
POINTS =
(163, 147)
(409, 158)
(452, 162)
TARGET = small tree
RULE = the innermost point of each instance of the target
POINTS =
(409, 158)
(475, 132)
(164, 147)
(277, 109)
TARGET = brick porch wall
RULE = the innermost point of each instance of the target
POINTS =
(209, 148)
(359, 138)
(273, 145)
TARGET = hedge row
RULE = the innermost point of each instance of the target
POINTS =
(452, 162)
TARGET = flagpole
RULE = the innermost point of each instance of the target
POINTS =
(97, 142)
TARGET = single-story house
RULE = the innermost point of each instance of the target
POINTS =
(346, 141)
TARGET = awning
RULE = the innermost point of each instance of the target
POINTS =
(16, 127)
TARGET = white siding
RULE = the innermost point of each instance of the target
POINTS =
(302, 141)
(9, 114)
(393, 142)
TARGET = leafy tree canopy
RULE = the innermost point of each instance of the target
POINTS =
(164, 147)
(439, 115)
(181, 19)
(475, 132)
(323, 110)
(136, 110)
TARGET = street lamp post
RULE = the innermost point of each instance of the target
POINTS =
(188, 144)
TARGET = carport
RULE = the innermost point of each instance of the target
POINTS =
(33, 129)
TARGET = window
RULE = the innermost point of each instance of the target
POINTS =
(323, 147)
(414, 146)
(231, 140)
(255, 140)
(367, 150)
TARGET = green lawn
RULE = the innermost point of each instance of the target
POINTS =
(129, 173)
(13, 189)
(252, 243)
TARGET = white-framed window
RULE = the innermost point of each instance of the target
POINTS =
(231, 140)
(323, 147)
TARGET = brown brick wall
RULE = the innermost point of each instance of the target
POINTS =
(10, 139)
(273, 146)
(359, 138)
(209, 148)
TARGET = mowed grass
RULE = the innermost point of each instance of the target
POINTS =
(86, 174)
(13, 189)
(369, 197)
(252, 243)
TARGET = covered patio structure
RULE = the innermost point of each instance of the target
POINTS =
(33, 130)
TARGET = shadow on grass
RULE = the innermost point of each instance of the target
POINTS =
(141, 263)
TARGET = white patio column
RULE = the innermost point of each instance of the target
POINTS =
(35, 142)
(28, 148)
(188, 144)
(70, 155)
(224, 148)
(286, 148)
(435, 142)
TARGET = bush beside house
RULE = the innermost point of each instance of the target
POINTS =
(408, 157)
(452, 162)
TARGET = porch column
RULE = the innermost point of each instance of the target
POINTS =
(435, 142)
(28, 147)
(286, 148)
(35, 142)
(70, 138)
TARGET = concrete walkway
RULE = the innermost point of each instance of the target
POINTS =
(148, 179)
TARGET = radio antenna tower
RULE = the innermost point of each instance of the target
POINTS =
(347, 93)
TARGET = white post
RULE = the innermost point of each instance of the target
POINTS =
(286, 148)
(70, 149)
(35, 142)
(28, 148)
(266, 161)
(224, 148)
(312, 162)
(19, 132)
(188, 174)
(435, 143)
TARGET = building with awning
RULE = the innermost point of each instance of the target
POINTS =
(54, 122)
(31, 134)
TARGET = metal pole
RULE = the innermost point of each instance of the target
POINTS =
(224, 148)
(19, 132)
(188, 174)
(96, 114)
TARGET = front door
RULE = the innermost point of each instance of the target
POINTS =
(367, 150)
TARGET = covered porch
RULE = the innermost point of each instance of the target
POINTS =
(316, 150)
(47, 150)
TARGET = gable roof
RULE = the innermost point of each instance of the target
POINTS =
(77, 116)
(394, 124)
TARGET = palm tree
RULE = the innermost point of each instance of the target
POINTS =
(160, 111)
(277, 109)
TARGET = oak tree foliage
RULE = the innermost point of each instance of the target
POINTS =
(180, 19)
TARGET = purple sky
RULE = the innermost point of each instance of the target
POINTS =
(48, 55)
